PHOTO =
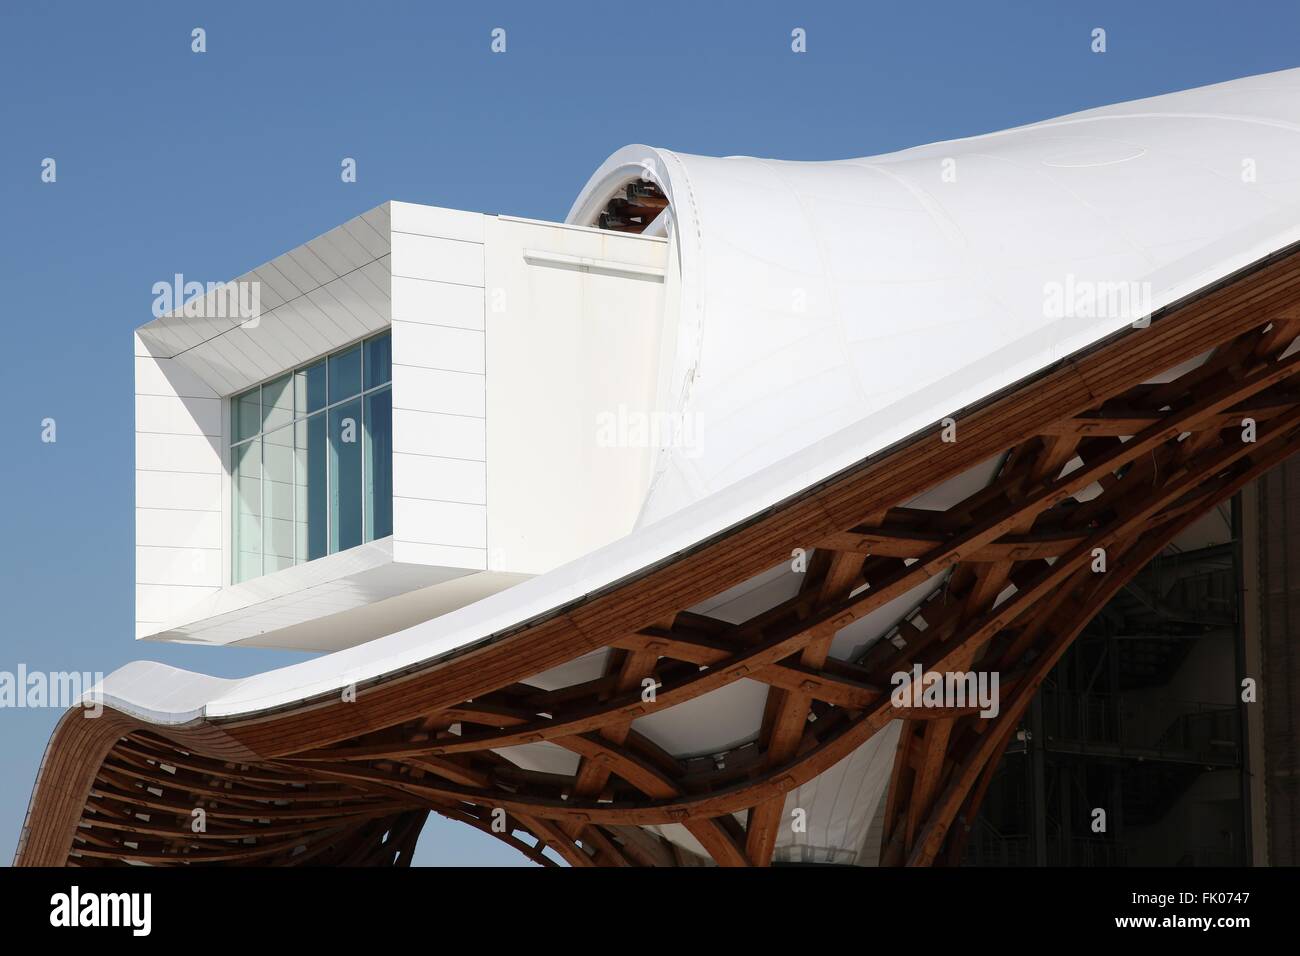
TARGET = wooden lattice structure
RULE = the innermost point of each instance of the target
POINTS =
(1154, 424)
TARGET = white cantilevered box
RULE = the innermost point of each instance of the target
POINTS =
(520, 350)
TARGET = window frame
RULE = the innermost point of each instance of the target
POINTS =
(233, 404)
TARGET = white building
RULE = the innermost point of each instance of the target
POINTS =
(457, 351)
(442, 425)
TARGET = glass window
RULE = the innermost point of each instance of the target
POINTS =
(277, 404)
(277, 500)
(345, 475)
(246, 415)
(311, 461)
(309, 388)
(246, 481)
(311, 481)
(379, 361)
(345, 375)
(379, 464)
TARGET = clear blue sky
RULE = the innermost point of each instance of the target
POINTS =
(210, 164)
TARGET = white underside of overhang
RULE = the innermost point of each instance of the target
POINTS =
(314, 299)
(323, 604)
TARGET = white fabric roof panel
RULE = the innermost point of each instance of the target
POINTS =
(901, 288)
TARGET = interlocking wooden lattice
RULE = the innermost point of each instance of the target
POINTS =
(331, 782)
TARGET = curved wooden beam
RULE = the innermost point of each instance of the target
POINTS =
(333, 783)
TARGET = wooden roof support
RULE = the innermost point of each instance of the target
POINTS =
(331, 783)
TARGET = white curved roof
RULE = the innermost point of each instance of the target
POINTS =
(897, 289)
(831, 309)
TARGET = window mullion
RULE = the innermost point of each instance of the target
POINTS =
(261, 479)
(361, 427)
(299, 473)
(261, 503)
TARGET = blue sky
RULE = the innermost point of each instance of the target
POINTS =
(207, 165)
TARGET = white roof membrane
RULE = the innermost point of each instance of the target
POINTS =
(896, 289)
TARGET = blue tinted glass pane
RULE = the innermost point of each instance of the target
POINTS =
(277, 403)
(379, 464)
(379, 360)
(277, 499)
(246, 483)
(345, 374)
(309, 388)
(246, 410)
(345, 475)
(311, 520)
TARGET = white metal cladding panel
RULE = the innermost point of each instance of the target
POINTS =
(303, 321)
(437, 346)
(239, 361)
(168, 377)
(207, 371)
(345, 308)
(439, 390)
(178, 491)
(441, 260)
(175, 528)
(439, 386)
(166, 602)
(436, 222)
(178, 416)
(179, 566)
(430, 433)
(169, 334)
(414, 552)
(437, 303)
(315, 322)
(178, 485)
(443, 479)
(574, 325)
(313, 299)
(440, 522)
(188, 453)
